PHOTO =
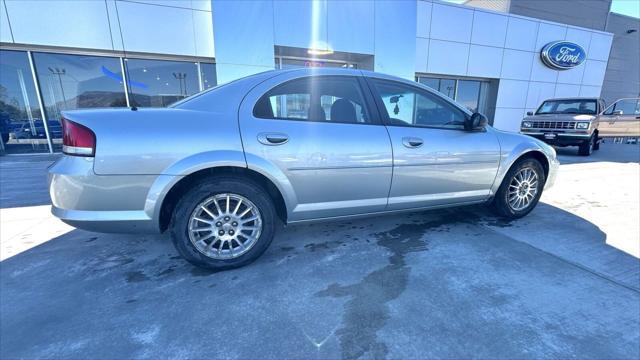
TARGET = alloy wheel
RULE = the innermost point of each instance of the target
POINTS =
(225, 226)
(522, 189)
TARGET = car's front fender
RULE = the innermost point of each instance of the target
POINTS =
(513, 147)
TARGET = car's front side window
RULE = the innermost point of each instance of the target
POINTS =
(321, 98)
(409, 106)
(627, 106)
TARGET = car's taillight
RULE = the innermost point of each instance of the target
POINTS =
(77, 140)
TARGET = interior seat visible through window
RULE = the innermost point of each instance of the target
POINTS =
(337, 99)
(342, 110)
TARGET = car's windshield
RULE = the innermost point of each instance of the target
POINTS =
(567, 107)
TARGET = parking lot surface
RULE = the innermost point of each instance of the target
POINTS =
(454, 283)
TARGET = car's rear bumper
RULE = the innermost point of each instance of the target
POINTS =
(109, 203)
(106, 221)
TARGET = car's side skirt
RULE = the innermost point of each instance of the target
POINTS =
(370, 214)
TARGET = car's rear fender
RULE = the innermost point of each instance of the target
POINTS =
(184, 167)
(213, 160)
(150, 141)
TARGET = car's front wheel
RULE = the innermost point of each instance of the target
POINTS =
(520, 190)
(587, 147)
(223, 223)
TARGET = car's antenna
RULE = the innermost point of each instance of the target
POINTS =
(125, 68)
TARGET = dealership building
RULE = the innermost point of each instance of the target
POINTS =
(59, 55)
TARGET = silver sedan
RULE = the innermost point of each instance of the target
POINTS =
(221, 169)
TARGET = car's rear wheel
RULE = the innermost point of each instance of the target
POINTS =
(223, 223)
(587, 147)
(520, 190)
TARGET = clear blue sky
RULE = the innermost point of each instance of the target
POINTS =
(625, 7)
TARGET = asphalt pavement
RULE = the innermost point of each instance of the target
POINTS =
(455, 283)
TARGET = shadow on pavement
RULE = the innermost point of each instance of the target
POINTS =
(448, 283)
(609, 152)
(23, 180)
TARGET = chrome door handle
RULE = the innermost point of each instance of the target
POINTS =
(412, 142)
(272, 138)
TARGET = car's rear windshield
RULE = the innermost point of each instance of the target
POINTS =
(567, 107)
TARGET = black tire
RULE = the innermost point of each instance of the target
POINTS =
(500, 202)
(596, 144)
(587, 147)
(180, 219)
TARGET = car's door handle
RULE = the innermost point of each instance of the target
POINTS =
(412, 142)
(273, 138)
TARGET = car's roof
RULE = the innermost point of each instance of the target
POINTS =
(575, 98)
(250, 81)
(339, 71)
(323, 70)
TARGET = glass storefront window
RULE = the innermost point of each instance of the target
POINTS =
(468, 94)
(448, 87)
(208, 75)
(158, 83)
(72, 82)
(69, 82)
(473, 94)
(21, 126)
(430, 82)
(445, 86)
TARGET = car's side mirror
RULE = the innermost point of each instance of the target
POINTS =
(475, 122)
(618, 112)
(529, 113)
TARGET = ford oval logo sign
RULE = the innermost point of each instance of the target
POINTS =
(562, 55)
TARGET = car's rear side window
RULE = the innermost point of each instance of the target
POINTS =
(319, 98)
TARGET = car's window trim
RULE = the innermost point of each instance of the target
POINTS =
(372, 116)
(384, 114)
